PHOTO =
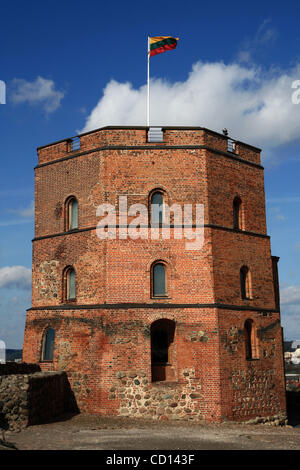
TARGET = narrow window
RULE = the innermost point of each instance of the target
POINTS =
(245, 278)
(71, 213)
(48, 345)
(71, 284)
(157, 208)
(251, 342)
(158, 280)
(162, 350)
(237, 213)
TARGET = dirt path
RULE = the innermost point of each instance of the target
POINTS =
(98, 433)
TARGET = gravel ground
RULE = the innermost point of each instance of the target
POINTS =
(83, 432)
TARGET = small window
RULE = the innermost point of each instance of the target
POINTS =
(157, 209)
(48, 345)
(71, 284)
(69, 288)
(245, 279)
(159, 280)
(237, 213)
(251, 341)
(71, 213)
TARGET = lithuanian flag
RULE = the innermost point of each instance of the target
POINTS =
(161, 44)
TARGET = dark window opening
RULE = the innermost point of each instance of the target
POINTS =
(162, 350)
(248, 328)
(48, 345)
(160, 345)
(237, 219)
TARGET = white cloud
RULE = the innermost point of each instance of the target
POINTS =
(8, 223)
(290, 320)
(254, 105)
(28, 211)
(290, 295)
(265, 36)
(290, 312)
(277, 214)
(25, 212)
(287, 200)
(15, 277)
(39, 92)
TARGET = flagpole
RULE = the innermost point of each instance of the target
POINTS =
(148, 84)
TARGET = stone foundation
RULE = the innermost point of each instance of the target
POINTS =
(158, 400)
(277, 420)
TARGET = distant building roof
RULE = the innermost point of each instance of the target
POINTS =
(290, 346)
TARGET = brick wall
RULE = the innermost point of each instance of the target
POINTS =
(102, 338)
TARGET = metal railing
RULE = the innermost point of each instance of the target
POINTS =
(230, 145)
(74, 144)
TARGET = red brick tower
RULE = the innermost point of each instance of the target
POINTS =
(146, 327)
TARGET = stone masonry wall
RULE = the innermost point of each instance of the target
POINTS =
(27, 399)
(162, 400)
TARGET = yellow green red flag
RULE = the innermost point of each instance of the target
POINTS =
(161, 44)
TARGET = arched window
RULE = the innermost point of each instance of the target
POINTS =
(158, 280)
(157, 208)
(48, 345)
(251, 342)
(162, 350)
(69, 284)
(71, 210)
(245, 278)
(237, 213)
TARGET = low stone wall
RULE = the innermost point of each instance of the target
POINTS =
(49, 396)
(36, 398)
(13, 401)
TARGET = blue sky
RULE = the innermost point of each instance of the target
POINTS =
(70, 67)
